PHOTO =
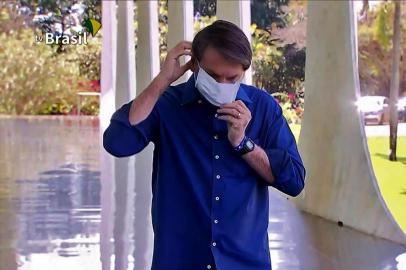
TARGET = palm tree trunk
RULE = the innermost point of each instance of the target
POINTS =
(394, 85)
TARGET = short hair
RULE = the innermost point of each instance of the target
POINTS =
(227, 38)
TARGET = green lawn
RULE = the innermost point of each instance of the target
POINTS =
(391, 176)
(295, 130)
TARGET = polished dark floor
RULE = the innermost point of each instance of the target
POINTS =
(303, 241)
(50, 208)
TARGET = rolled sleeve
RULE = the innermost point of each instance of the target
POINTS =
(121, 139)
(284, 158)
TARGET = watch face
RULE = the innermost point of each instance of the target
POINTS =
(247, 146)
(250, 145)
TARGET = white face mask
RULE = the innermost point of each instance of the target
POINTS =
(216, 93)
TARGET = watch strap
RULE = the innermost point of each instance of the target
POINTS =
(241, 144)
(246, 145)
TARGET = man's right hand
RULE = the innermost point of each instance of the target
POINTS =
(171, 68)
(170, 72)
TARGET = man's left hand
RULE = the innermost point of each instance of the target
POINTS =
(238, 117)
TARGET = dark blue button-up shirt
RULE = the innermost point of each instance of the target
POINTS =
(209, 206)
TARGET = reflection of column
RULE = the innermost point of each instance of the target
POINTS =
(238, 12)
(8, 250)
(340, 183)
(124, 167)
(107, 107)
(180, 27)
(147, 68)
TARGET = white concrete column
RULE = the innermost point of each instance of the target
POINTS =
(124, 167)
(180, 27)
(340, 182)
(147, 68)
(107, 108)
(239, 13)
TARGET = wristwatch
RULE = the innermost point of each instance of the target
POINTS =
(246, 145)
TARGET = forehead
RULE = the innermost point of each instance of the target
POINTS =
(215, 62)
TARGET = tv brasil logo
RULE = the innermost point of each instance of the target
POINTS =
(91, 26)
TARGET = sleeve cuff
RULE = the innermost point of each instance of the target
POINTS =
(278, 160)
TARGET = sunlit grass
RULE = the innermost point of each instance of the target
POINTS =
(391, 176)
(295, 130)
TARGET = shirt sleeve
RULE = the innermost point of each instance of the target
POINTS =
(281, 149)
(121, 139)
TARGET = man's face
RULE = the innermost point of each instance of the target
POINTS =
(221, 69)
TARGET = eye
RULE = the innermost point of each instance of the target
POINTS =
(232, 79)
(212, 74)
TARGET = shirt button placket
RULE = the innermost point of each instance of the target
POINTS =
(217, 185)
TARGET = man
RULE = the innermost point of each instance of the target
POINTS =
(219, 145)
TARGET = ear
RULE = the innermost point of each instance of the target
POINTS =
(194, 67)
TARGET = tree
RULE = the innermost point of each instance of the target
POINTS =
(205, 7)
(383, 37)
(265, 13)
(394, 86)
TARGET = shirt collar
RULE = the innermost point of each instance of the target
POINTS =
(190, 92)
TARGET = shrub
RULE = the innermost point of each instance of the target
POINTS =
(33, 80)
(289, 112)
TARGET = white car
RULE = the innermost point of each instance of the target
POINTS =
(401, 105)
(374, 108)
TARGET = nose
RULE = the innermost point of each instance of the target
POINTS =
(222, 80)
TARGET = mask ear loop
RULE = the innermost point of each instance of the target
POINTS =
(241, 78)
(194, 73)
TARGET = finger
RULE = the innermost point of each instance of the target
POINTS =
(231, 105)
(185, 44)
(242, 104)
(186, 66)
(242, 108)
(179, 53)
(230, 111)
(230, 119)
(237, 107)
(182, 47)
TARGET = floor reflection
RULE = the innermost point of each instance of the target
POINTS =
(50, 170)
(50, 208)
(302, 241)
(59, 211)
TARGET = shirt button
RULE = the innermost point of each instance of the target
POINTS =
(209, 266)
(199, 101)
(216, 156)
(214, 244)
(217, 198)
(218, 176)
(216, 137)
(216, 221)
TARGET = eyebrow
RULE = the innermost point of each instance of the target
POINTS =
(214, 74)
